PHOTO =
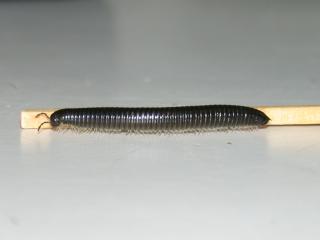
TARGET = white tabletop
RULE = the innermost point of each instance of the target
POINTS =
(263, 184)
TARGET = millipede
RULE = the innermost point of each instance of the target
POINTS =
(157, 119)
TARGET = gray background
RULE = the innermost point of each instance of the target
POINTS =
(236, 185)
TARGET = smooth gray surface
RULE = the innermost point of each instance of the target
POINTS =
(237, 185)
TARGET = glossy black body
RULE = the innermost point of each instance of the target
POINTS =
(160, 119)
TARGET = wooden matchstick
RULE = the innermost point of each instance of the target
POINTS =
(279, 116)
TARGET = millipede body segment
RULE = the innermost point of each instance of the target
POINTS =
(159, 119)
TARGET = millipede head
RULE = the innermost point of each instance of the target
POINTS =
(53, 120)
(56, 118)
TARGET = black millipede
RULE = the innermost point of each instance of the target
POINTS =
(158, 119)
